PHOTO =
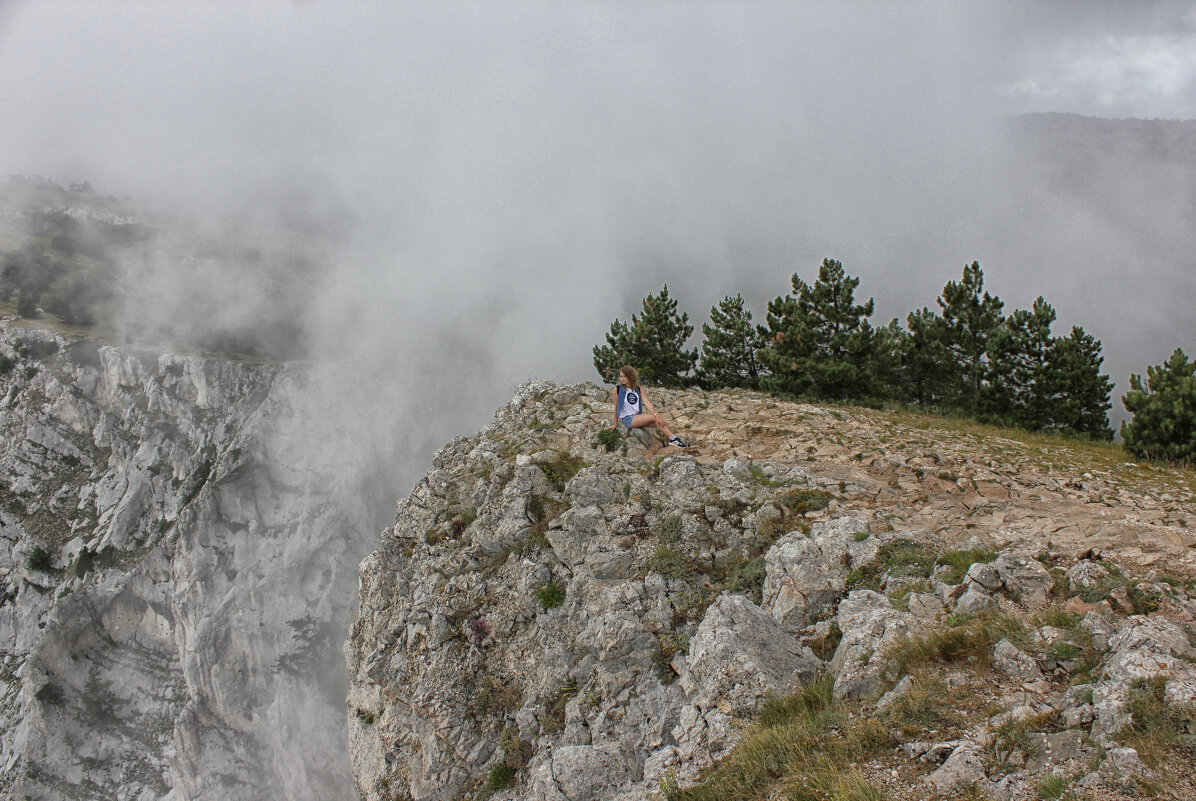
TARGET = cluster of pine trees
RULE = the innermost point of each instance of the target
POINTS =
(966, 357)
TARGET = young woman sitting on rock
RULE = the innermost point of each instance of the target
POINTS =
(630, 401)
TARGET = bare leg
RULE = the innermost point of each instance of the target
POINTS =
(651, 421)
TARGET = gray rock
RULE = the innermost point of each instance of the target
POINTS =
(895, 694)
(1144, 647)
(1011, 787)
(1050, 749)
(985, 575)
(974, 600)
(869, 624)
(1086, 574)
(964, 766)
(926, 606)
(214, 516)
(1013, 662)
(581, 772)
(1078, 716)
(740, 655)
(1024, 578)
(1100, 628)
(932, 753)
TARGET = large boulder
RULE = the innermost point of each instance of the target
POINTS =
(1024, 578)
(1143, 648)
(740, 655)
(806, 576)
(870, 625)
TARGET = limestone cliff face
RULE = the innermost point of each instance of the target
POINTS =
(173, 565)
(557, 621)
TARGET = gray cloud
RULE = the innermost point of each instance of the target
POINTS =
(491, 186)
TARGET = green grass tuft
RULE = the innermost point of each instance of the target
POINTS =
(551, 595)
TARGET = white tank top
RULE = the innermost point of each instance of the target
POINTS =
(629, 402)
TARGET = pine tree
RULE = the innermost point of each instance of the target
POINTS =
(1076, 390)
(1164, 410)
(968, 321)
(890, 359)
(654, 344)
(1017, 387)
(932, 377)
(729, 347)
(818, 341)
(784, 345)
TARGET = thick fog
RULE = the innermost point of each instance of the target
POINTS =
(487, 187)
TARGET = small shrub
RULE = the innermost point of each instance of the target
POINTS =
(906, 558)
(1063, 650)
(41, 349)
(365, 716)
(40, 559)
(768, 531)
(552, 721)
(6, 364)
(800, 501)
(670, 790)
(562, 467)
(824, 647)
(860, 536)
(82, 564)
(1143, 598)
(926, 705)
(748, 578)
(670, 645)
(798, 746)
(971, 640)
(499, 699)
(815, 697)
(1157, 728)
(479, 630)
(670, 530)
(1051, 787)
(865, 577)
(691, 603)
(960, 561)
(516, 753)
(501, 777)
(1059, 618)
(551, 595)
(671, 563)
(609, 438)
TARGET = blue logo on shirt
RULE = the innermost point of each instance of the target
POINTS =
(632, 398)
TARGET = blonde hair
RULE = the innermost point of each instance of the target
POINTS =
(633, 378)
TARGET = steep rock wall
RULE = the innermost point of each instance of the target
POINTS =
(174, 560)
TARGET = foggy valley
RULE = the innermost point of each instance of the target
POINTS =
(315, 242)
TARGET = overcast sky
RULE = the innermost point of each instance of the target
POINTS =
(509, 177)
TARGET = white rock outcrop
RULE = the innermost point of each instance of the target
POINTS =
(175, 569)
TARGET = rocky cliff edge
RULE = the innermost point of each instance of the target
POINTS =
(549, 619)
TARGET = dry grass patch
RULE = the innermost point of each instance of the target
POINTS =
(961, 638)
(801, 745)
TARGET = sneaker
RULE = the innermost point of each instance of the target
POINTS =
(677, 443)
